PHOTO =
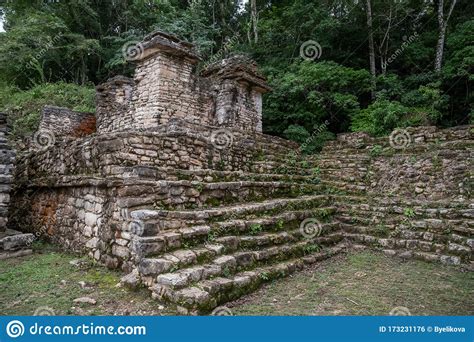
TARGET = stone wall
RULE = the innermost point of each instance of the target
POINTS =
(6, 172)
(436, 164)
(413, 200)
(166, 86)
(63, 122)
(179, 145)
(12, 243)
(112, 105)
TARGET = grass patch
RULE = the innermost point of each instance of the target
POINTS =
(365, 283)
(47, 279)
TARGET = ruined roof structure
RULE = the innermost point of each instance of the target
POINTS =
(173, 182)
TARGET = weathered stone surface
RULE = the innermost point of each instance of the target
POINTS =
(180, 190)
(131, 280)
(85, 300)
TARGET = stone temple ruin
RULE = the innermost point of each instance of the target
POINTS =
(173, 182)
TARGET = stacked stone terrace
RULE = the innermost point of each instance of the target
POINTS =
(411, 202)
(12, 243)
(179, 188)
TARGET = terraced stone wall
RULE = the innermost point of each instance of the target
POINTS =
(179, 145)
(80, 193)
(436, 164)
(412, 199)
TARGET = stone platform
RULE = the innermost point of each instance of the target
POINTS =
(178, 187)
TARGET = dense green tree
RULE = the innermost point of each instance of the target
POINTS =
(80, 42)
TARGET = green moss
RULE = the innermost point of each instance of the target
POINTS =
(375, 151)
(255, 229)
(409, 213)
(213, 202)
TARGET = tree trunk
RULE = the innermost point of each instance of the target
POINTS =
(440, 49)
(371, 47)
(254, 20)
(442, 26)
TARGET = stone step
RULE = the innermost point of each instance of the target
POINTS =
(144, 245)
(439, 142)
(153, 242)
(166, 219)
(205, 175)
(205, 295)
(408, 212)
(154, 266)
(184, 194)
(454, 251)
(397, 202)
(211, 176)
(14, 243)
(464, 147)
(424, 256)
(242, 260)
(270, 223)
(342, 164)
(462, 226)
(227, 244)
(333, 186)
(279, 167)
(404, 234)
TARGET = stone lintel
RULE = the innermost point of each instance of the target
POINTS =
(239, 68)
(158, 41)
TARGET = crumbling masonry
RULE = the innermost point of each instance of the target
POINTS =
(179, 188)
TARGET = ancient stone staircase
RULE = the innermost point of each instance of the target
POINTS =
(215, 255)
(414, 202)
(199, 238)
(253, 231)
(181, 191)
